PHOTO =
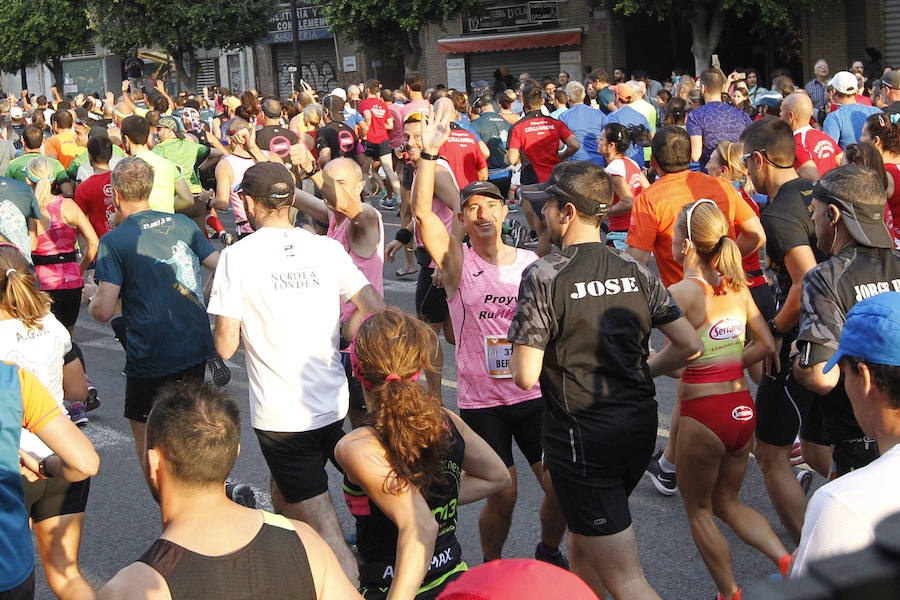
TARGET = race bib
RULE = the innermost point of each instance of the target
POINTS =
(498, 352)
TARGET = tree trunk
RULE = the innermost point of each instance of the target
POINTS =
(706, 22)
(56, 68)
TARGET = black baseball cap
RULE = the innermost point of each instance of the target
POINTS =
(479, 188)
(268, 180)
(864, 217)
(483, 99)
(555, 188)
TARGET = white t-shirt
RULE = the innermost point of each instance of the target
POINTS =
(40, 352)
(86, 170)
(286, 287)
(842, 514)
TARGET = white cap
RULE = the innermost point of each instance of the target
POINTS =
(339, 92)
(844, 82)
(16, 112)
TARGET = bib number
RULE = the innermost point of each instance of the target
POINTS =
(498, 352)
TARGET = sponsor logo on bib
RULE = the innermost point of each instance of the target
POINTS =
(742, 413)
(726, 329)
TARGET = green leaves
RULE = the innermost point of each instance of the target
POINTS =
(40, 31)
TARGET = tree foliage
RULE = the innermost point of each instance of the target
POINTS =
(178, 27)
(390, 28)
(41, 32)
(706, 18)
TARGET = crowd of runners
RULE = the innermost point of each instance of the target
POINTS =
(756, 229)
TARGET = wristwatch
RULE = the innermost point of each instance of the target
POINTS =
(427, 156)
(42, 467)
(774, 329)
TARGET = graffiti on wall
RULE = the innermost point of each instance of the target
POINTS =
(319, 75)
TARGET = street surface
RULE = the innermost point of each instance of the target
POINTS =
(122, 519)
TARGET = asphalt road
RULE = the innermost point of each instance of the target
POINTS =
(122, 519)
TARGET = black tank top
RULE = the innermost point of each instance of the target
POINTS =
(377, 534)
(272, 565)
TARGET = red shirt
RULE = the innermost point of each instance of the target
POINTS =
(818, 147)
(95, 197)
(464, 156)
(628, 170)
(538, 137)
(377, 127)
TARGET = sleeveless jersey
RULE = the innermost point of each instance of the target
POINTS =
(481, 311)
(60, 270)
(723, 333)
(629, 170)
(377, 534)
(272, 565)
(444, 212)
(239, 166)
(372, 267)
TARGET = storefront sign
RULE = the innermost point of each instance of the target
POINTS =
(310, 20)
(516, 15)
(349, 64)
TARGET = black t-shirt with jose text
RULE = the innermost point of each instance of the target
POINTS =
(591, 309)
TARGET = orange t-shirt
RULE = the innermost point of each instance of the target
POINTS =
(63, 146)
(656, 209)
(40, 407)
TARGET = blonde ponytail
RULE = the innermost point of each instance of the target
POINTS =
(21, 297)
(728, 263)
(39, 173)
(709, 234)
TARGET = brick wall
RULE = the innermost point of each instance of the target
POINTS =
(825, 33)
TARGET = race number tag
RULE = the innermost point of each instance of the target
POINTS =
(498, 351)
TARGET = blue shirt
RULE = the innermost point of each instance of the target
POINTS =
(816, 93)
(155, 258)
(629, 117)
(15, 538)
(586, 124)
(845, 124)
(494, 129)
(716, 122)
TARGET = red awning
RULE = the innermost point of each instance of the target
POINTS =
(510, 41)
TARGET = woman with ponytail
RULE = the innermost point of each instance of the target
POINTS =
(715, 428)
(53, 244)
(31, 337)
(883, 132)
(626, 178)
(409, 466)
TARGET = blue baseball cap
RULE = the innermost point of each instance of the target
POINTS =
(872, 331)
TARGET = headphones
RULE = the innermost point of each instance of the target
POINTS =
(832, 216)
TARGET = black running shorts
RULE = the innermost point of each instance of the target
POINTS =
(54, 497)
(297, 459)
(140, 392)
(499, 425)
(377, 150)
(431, 301)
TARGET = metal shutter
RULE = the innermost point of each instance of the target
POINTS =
(318, 66)
(208, 75)
(537, 62)
(855, 23)
(891, 33)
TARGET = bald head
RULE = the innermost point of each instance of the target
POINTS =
(343, 169)
(797, 109)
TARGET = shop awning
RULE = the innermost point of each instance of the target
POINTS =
(511, 41)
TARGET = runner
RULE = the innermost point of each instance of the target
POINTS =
(584, 121)
(884, 133)
(359, 228)
(481, 281)
(812, 144)
(782, 404)
(848, 217)
(62, 145)
(231, 169)
(582, 326)
(152, 260)
(431, 298)
(535, 142)
(844, 124)
(626, 178)
(26, 404)
(335, 139)
(715, 121)
(33, 141)
(717, 417)
(279, 290)
(377, 142)
(31, 335)
(274, 137)
(409, 467)
(494, 131)
(211, 547)
(53, 250)
(170, 190)
(95, 195)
